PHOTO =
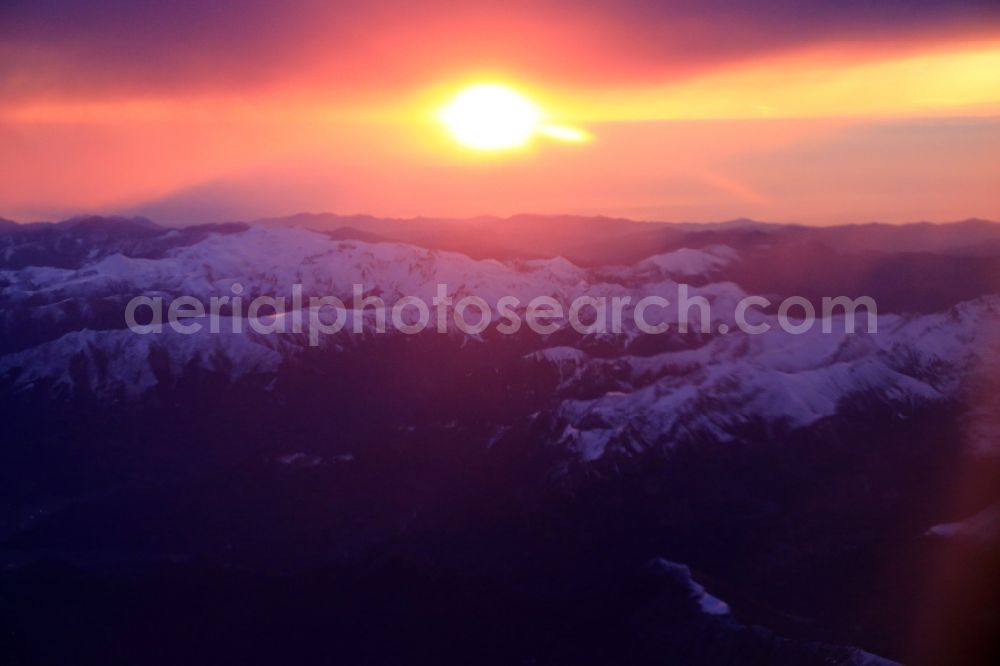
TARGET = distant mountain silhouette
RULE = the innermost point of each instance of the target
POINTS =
(593, 241)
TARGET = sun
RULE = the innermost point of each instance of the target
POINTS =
(492, 117)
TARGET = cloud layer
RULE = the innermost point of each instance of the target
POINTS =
(106, 47)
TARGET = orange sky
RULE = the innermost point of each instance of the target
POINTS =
(833, 120)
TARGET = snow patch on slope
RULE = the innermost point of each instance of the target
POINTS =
(681, 574)
(983, 526)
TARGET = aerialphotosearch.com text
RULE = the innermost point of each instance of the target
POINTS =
(363, 312)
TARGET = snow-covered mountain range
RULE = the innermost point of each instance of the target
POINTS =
(610, 394)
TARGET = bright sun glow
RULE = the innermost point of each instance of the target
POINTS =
(490, 116)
